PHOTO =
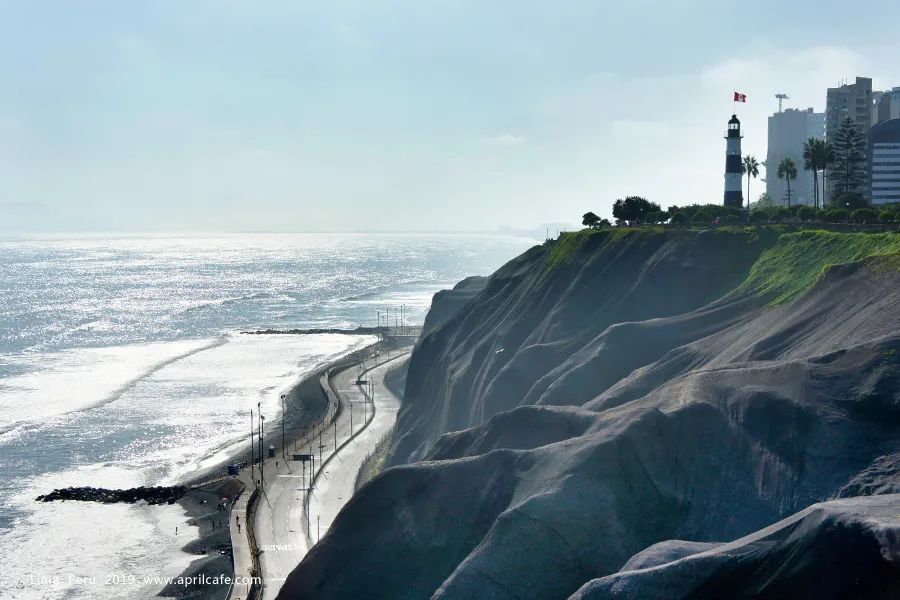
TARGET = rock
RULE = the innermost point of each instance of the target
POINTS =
(150, 495)
(841, 549)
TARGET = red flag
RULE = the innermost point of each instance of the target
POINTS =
(738, 97)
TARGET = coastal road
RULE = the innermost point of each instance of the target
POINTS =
(281, 521)
(336, 484)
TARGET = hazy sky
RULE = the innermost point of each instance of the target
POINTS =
(414, 115)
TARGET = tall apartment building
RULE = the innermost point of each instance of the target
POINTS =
(853, 100)
(788, 132)
(886, 106)
(883, 153)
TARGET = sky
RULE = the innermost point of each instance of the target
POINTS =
(420, 115)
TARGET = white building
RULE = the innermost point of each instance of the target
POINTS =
(788, 132)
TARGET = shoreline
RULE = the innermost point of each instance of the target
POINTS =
(306, 404)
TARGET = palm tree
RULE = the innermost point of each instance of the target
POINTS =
(811, 156)
(787, 170)
(750, 167)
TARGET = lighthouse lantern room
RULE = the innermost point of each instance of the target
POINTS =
(733, 194)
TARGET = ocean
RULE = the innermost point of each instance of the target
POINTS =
(122, 364)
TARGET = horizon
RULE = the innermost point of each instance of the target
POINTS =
(213, 117)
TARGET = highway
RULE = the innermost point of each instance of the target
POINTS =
(282, 513)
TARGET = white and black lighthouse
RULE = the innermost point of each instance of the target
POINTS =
(733, 175)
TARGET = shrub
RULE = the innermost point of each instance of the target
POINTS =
(713, 210)
(760, 215)
(837, 215)
(864, 215)
(781, 214)
(679, 217)
(702, 216)
(806, 213)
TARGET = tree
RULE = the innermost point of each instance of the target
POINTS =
(849, 200)
(679, 217)
(657, 217)
(812, 159)
(591, 220)
(604, 223)
(887, 216)
(787, 170)
(750, 167)
(634, 209)
(849, 157)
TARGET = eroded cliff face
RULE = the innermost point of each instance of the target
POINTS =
(614, 390)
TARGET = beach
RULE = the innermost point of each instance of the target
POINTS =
(210, 575)
(123, 365)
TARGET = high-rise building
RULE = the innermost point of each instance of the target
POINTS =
(852, 100)
(733, 194)
(886, 106)
(883, 152)
(788, 132)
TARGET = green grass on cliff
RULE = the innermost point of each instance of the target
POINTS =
(794, 263)
(570, 243)
(566, 248)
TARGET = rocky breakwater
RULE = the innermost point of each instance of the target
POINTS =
(150, 495)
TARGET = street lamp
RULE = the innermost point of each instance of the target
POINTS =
(283, 416)
(262, 460)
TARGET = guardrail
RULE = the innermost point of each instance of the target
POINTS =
(330, 391)
(257, 584)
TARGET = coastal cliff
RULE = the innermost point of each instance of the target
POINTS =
(621, 409)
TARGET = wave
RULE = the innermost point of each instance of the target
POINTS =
(155, 368)
(387, 287)
(50, 385)
(282, 296)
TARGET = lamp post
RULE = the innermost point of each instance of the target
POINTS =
(283, 415)
(262, 459)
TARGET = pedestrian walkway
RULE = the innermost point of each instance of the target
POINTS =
(240, 546)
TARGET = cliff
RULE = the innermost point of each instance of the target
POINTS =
(623, 392)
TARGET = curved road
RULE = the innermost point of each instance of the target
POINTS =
(280, 522)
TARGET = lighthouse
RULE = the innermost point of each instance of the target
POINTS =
(733, 175)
